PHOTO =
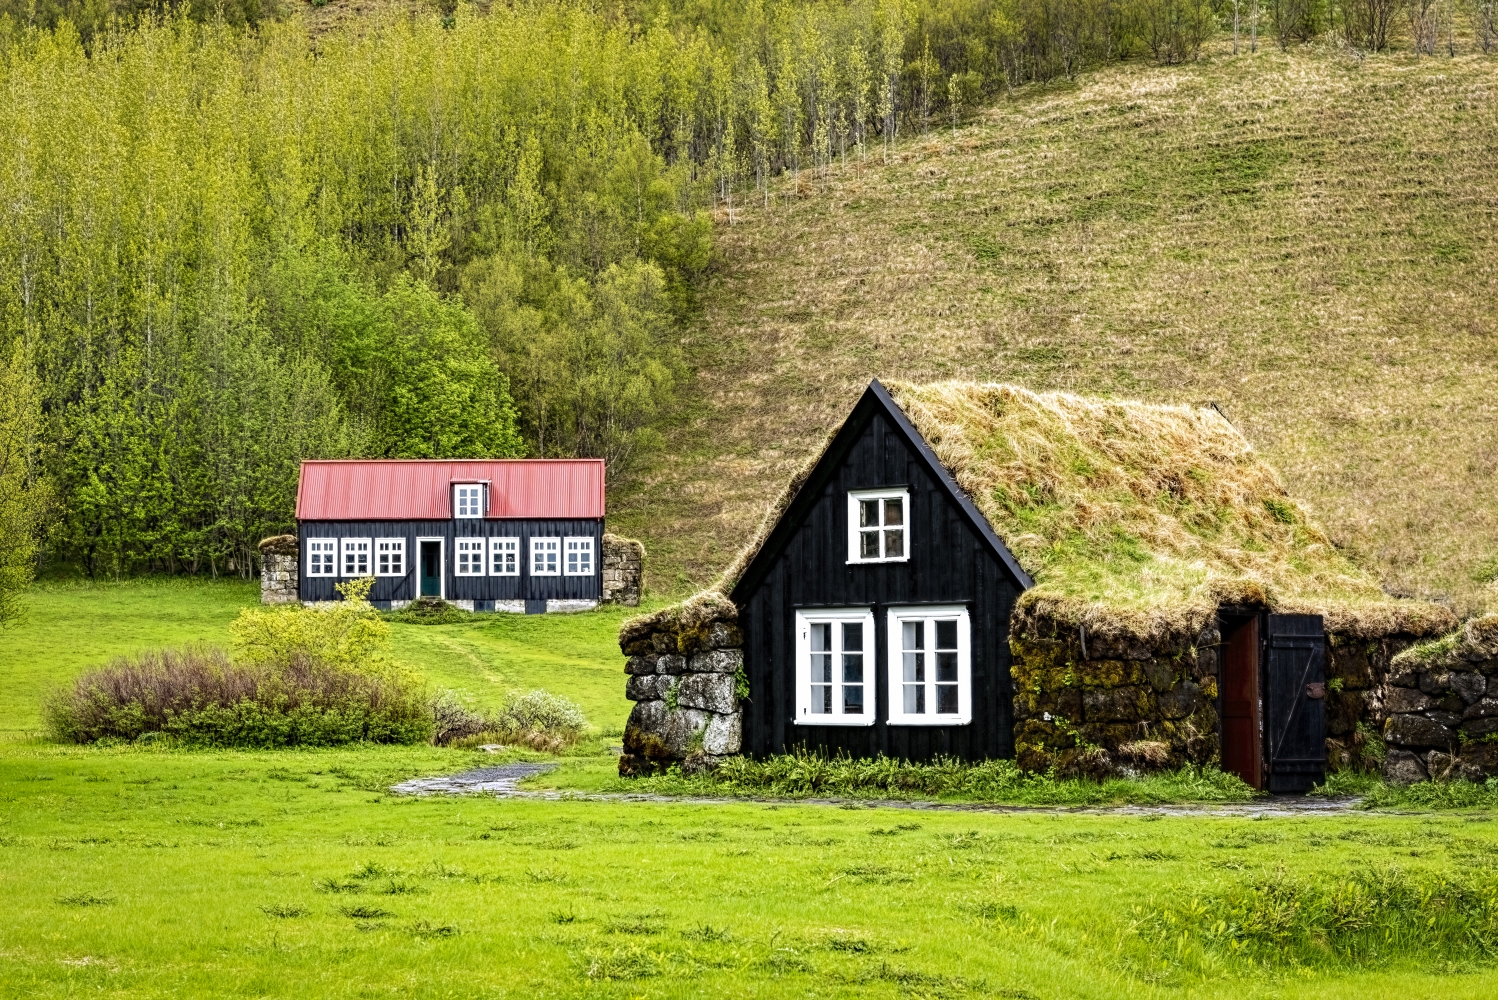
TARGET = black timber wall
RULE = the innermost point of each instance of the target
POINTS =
(949, 564)
(460, 588)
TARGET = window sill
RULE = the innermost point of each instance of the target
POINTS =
(930, 720)
(834, 720)
(876, 562)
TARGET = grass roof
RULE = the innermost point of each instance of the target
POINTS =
(1138, 519)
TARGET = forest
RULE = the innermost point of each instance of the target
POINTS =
(229, 243)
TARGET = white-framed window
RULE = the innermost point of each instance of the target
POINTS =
(878, 526)
(322, 557)
(470, 556)
(546, 557)
(930, 666)
(390, 557)
(354, 557)
(468, 500)
(579, 556)
(835, 667)
(504, 557)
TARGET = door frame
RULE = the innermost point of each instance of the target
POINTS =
(441, 565)
(1230, 623)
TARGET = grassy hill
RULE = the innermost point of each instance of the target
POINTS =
(1306, 239)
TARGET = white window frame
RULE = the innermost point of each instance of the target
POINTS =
(477, 551)
(441, 564)
(929, 613)
(468, 500)
(500, 547)
(836, 617)
(856, 531)
(390, 557)
(583, 545)
(322, 557)
(354, 547)
(539, 546)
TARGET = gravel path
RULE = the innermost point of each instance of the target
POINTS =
(503, 781)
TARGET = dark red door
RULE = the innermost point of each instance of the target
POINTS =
(1242, 752)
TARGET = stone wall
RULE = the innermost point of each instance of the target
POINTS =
(623, 570)
(278, 570)
(1087, 705)
(1356, 668)
(1437, 707)
(685, 671)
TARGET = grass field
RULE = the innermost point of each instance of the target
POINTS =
(72, 626)
(147, 872)
(1307, 239)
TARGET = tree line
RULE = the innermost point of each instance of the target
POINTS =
(227, 246)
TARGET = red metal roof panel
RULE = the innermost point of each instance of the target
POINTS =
(421, 489)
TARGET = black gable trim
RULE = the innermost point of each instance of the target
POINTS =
(875, 399)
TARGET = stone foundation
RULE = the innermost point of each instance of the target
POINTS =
(623, 570)
(279, 570)
(1437, 707)
(684, 670)
(1093, 706)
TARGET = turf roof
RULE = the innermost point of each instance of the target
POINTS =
(1136, 519)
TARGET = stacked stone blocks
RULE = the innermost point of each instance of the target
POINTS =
(1438, 707)
(623, 570)
(278, 570)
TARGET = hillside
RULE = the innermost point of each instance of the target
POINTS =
(1305, 239)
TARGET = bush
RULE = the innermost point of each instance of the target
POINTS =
(347, 633)
(536, 719)
(199, 697)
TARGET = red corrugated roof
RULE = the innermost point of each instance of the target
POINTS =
(421, 489)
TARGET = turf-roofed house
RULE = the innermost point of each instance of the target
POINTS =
(520, 535)
(981, 571)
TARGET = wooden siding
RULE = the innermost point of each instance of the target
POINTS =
(460, 588)
(950, 563)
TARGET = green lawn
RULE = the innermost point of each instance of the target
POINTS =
(74, 626)
(146, 872)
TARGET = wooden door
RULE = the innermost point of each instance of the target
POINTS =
(431, 569)
(1242, 740)
(1294, 700)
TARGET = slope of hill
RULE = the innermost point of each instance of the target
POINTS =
(1306, 239)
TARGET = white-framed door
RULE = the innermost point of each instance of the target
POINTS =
(421, 567)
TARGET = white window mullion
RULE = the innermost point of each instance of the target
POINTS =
(469, 553)
(578, 556)
(834, 664)
(878, 526)
(504, 556)
(354, 557)
(390, 557)
(546, 557)
(322, 557)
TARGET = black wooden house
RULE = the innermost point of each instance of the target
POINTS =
(522, 535)
(875, 613)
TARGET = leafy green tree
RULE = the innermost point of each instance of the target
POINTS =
(23, 496)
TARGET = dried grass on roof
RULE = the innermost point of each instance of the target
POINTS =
(1143, 519)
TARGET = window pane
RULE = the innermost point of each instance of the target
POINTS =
(915, 699)
(913, 635)
(868, 543)
(821, 668)
(915, 666)
(946, 634)
(894, 544)
(852, 668)
(853, 699)
(946, 668)
(821, 637)
(894, 511)
(852, 637)
(868, 513)
(946, 699)
(821, 699)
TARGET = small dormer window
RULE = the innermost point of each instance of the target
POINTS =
(878, 526)
(468, 500)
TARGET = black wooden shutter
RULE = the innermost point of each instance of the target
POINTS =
(1295, 702)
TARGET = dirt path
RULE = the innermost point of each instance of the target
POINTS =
(503, 781)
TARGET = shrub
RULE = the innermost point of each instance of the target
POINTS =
(198, 697)
(536, 719)
(348, 633)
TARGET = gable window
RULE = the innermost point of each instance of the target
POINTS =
(390, 557)
(545, 554)
(504, 557)
(322, 559)
(930, 668)
(470, 554)
(355, 556)
(878, 526)
(579, 556)
(468, 500)
(834, 664)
